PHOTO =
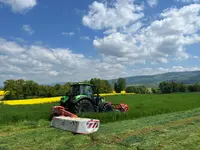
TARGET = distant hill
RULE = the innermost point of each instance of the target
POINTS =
(188, 77)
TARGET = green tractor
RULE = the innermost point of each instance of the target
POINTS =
(83, 97)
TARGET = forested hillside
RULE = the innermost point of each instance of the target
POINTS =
(190, 77)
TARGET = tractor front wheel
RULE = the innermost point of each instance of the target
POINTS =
(83, 106)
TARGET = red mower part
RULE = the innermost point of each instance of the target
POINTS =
(60, 111)
(123, 107)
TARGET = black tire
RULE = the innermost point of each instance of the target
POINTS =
(107, 108)
(82, 106)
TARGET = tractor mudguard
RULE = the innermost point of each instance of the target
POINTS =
(64, 99)
(79, 97)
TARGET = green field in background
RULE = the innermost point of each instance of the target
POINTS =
(140, 106)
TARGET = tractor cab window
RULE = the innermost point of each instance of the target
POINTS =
(74, 90)
(86, 90)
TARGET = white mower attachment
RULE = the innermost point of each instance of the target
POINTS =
(76, 125)
(70, 122)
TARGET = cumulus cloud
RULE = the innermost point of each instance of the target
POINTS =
(85, 38)
(68, 33)
(20, 6)
(28, 29)
(188, 1)
(163, 40)
(160, 70)
(46, 65)
(152, 3)
(181, 68)
(195, 57)
(119, 14)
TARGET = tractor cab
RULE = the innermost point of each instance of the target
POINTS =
(82, 89)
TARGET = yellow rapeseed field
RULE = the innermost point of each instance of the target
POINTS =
(48, 100)
(32, 101)
(1, 93)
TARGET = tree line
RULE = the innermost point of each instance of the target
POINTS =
(176, 86)
(165, 87)
(25, 89)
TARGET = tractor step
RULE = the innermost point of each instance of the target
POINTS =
(76, 125)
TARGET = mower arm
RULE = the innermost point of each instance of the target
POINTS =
(60, 111)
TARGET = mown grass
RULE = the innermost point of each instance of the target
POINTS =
(171, 131)
(140, 106)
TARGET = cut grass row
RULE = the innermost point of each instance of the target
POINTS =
(140, 106)
(171, 131)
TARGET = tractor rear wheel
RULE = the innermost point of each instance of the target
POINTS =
(83, 106)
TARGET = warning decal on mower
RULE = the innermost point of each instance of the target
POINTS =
(92, 125)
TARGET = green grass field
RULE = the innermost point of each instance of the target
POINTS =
(145, 126)
(180, 130)
(140, 106)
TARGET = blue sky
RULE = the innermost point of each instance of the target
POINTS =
(50, 41)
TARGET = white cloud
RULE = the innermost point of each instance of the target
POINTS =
(117, 44)
(20, 6)
(28, 29)
(133, 28)
(68, 33)
(46, 65)
(162, 41)
(152, 3)
(38, 43)
(181, 68)
(160, 70)
(85, 38)
(119, 14)
(188, 1)
(17, 39)
(109, 31)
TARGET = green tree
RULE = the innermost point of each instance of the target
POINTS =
(120, 85)
(194, 87)
(30, 89)
(155, 90)
(165, 87)
(15, 88)
(116, 88)
(103, 85)
(137, 89)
